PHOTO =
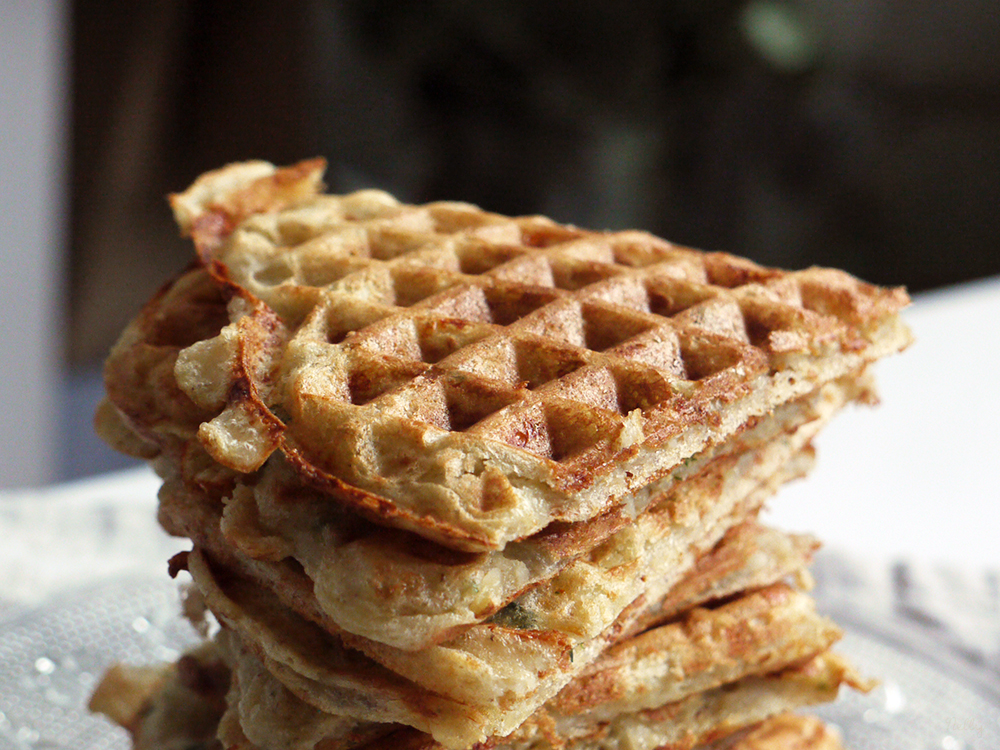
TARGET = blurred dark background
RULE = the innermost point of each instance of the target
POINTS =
(863, 134)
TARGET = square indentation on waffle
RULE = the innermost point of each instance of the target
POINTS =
(555, 429)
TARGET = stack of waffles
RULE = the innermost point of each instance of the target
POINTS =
(454, 479)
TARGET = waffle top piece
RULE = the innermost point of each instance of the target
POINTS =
(474, 377)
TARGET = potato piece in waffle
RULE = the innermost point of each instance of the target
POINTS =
(472, 377)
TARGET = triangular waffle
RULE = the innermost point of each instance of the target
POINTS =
(475, 378)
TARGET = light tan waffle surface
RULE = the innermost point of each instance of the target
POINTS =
(469, 376)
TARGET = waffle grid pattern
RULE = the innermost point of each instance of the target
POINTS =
(504, 328)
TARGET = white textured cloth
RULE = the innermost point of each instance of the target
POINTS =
(957, 611)
(60, 539)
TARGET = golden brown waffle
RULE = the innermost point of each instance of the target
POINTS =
(500, 671)
(698, 718)
(557, 627)
(474, 377)
(756, 633)
(474, 474)
(199, 699)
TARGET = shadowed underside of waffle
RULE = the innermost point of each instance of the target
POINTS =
(474, 377)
